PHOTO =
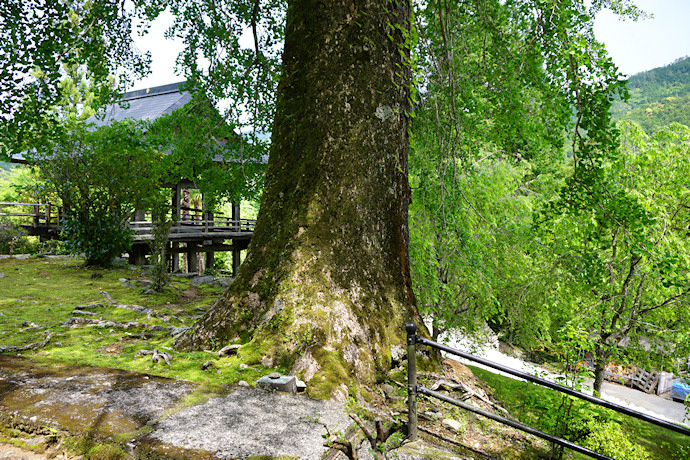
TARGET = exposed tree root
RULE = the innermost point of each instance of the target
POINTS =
(156, 356)
(31, 346)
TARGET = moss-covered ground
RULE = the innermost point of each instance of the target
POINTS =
(39, 294)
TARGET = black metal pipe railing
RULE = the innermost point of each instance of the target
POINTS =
(520, 426)
(414, 389)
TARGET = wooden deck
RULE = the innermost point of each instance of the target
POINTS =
(37, 219)
(191, 234)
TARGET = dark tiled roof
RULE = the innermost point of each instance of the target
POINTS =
(145, 104)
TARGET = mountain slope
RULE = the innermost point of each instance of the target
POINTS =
(658, 97)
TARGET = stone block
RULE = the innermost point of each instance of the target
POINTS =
(275, 381)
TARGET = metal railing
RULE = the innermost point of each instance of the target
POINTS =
(413, 389)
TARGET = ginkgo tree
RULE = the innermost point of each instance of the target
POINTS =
(627, 255)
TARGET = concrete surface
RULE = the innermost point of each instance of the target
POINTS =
(656, 406)
(108, 402)
(254, 422)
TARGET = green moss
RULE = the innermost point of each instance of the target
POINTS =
(332, 372)
(93, 449)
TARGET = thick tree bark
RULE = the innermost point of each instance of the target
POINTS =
(325, 289)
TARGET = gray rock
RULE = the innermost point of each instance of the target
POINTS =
(175, 331)
(120, 262)
(124, 282)
(201, 280)
(398, 355)
(224, 281)
(452, 424)
(229, 350)
(184, 275)
(242, 383)
(286, 384)
(390, 392)
(423, 450)
(301, 386)
(82, 312)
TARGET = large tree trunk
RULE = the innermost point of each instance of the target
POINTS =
(325, 289)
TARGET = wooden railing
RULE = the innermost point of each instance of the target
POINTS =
(218, 227)
(45, 218)
(32, 215)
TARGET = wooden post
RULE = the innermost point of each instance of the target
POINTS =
(210, 260)
(411, 329)
(236, 226)
(192, 258)
(235, 260)
(175, 263)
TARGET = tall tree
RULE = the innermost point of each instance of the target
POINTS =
(325, 288)
(627, 255)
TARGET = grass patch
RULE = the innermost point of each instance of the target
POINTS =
(537, 407)
(38, 295)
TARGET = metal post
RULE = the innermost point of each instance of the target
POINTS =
(411, 329)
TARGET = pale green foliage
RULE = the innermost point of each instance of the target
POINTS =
(486, 145)
(626, 257)
(608, 438)
(42, 42)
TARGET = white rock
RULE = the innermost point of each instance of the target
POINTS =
(452, 424)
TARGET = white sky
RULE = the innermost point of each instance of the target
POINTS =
(634, 46)
(649, 43)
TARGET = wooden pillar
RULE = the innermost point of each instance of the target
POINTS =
(236, 216)
(237, 226)
(235, 260)
(192, 258)
(208, 224)
(175, 262)
(137, 255)
(185, 200)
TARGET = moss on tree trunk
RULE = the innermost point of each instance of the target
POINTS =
(325, 289)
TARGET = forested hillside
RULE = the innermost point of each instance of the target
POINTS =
(658, 97)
